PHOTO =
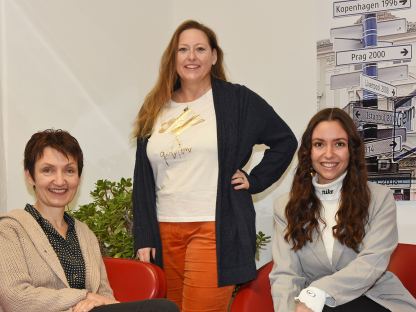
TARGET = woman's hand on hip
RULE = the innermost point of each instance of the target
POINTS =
(143, 254)
(240, 181)
(91, 301)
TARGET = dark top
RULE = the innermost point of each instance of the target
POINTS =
(67, 250)
(243, 120)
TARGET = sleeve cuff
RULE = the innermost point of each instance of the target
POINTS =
(314, 298)
(253, 185)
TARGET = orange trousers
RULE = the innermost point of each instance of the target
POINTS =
(190, 265)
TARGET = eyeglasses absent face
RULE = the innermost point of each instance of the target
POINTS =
(330, 154)
(195, 56)
(55, 179)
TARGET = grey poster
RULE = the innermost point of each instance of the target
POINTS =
(366, 66)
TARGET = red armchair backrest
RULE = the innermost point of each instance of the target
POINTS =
(255, 295)
(402, 263)
(133, 280)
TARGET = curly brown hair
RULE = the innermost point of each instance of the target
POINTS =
(303, 209)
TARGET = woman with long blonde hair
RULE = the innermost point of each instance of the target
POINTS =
(193, 212)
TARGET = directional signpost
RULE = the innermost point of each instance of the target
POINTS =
(377, 86)
(371, 55)
(346, 8)
(384, 146)
(360, 44)
(375, 116)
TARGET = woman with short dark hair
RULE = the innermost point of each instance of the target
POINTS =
(50, 261)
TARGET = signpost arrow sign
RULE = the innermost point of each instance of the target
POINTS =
(342, 44)
(384, 146)
(375, 116)
(346, 8)
(372, 55)
(384, 28)
(389, 132)
(348, 80)
(377, 86)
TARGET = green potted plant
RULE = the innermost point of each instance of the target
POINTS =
(110, 217)
(261, 241)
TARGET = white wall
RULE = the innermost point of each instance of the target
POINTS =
(3, 183)
(85, 65)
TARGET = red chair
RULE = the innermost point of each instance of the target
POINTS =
(402, 263)
(255, 295)
(132, 280)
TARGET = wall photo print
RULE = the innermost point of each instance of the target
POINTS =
(367, 66)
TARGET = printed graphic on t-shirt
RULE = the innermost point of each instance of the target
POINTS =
(179, 124)
(176, 126)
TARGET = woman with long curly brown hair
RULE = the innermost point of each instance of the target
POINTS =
(192, 205)
(335, 232)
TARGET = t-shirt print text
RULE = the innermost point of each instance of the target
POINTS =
(179, 153)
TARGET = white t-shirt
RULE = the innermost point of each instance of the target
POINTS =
(183, 153)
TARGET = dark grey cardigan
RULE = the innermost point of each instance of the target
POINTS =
(243, 120)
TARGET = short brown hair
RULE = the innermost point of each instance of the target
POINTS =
(60, 140)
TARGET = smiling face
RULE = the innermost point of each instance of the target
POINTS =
(55, 179)
(194, 57)
(330, 155)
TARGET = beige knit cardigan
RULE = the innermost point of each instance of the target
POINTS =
(31, 276)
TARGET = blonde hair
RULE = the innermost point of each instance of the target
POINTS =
(168, 80)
